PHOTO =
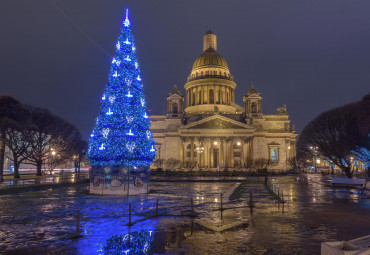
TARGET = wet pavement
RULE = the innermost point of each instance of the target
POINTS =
(44, 222)
(52, 179)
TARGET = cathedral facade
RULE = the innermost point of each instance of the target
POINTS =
(212, 131)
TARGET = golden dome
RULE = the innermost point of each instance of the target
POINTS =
(210, 58)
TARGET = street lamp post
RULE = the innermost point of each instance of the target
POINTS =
(200, 151)
(314, 155)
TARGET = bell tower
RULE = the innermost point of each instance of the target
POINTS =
(252, 104)
(175, 103)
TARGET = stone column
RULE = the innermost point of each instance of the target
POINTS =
(242, 157)
(221, 156)
(232, 153)
(197, 96)
(228, 153)
(187, 98)
(202, 95)
(206, 152)
(212, 154)
(217, 93)
(251, 149)
(192, 150)
(229, 97)
(182, 152)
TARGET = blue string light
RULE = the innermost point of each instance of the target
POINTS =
(110, 142)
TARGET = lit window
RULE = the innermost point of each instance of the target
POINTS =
(274, 155)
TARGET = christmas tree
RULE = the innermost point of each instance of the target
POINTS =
(121, 136)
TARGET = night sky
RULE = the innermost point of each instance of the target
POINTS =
(310, 55)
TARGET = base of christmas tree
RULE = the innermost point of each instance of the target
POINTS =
(121, 180)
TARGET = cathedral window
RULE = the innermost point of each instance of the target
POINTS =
(188, 149)
(211, 97)
(193, 98)
(199, 97)
(175, 108)
(254, 107)
(274, 155)
(237, 151)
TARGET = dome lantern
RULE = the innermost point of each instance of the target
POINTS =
(209, 41)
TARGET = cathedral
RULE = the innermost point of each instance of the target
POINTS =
(212, 131)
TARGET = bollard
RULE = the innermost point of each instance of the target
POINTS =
(192, 205)
(156, 210)
(78, 223)
(221, 205)
(221, 201)
(192, 227)
(129, 215)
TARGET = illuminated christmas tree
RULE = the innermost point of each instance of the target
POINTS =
(121, 136)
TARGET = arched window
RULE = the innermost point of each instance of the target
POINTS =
(199, 97)
(175, 108)
(188, 149)
(211, 97)
(193, 98)
(254, 107)
(237, 149)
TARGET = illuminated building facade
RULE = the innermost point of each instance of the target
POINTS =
(214, 132)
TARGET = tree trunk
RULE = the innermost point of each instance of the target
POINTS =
(347, 171)
(2, 154)
(76, 167)
(38, 168)
(16, 168)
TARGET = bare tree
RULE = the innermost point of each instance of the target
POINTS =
(11, 112)
(53, 140)
(261, 163)
(190, 165)
(78, 153)
(44, 129)
(337, 136)
(158, 163)
(172, 163)
(17, 139)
